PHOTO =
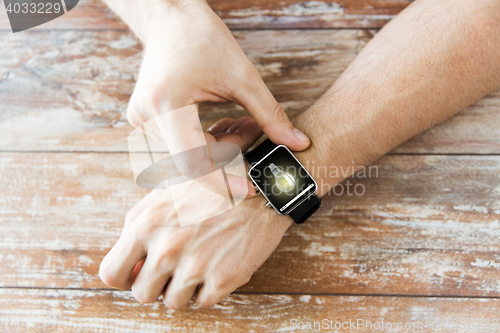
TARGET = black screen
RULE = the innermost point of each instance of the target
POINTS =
(282, 179)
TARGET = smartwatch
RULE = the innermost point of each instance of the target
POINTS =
(283, 181)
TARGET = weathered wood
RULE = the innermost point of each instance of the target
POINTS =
(114, 311)
(427, 225)
(68, 91)
(262, 14)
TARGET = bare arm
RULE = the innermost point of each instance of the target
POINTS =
(190, 57)
(431, 61)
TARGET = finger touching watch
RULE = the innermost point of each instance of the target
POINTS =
(283, 181)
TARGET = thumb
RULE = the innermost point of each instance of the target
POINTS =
(258, 101)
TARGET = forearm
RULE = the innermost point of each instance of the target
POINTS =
(146, 17)
(428, 63)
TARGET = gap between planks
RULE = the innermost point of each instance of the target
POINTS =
(144, 152)
(279, 293)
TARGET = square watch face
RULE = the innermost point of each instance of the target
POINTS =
(282, 180)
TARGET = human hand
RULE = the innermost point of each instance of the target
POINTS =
(191, 56)
(196, 154)
(156, 256)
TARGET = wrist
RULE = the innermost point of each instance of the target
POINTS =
(167, 17)
(267, 215)
(333, 154)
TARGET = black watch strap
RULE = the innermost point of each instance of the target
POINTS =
(303, 211)
(259, 152)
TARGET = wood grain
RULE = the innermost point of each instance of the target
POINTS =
(308, 14)
(426, 225)
(262, 14)
(114, 311)
(68, 90)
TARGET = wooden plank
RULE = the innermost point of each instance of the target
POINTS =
(113, 311)
(426, 225)
(262, 14)
(68, 91)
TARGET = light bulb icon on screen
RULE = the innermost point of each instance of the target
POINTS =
(284, 181)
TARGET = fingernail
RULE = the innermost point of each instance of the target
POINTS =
(299, 135)
(251, 191)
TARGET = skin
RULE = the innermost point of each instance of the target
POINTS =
(431, 61)
(179, 259)
(194, 58)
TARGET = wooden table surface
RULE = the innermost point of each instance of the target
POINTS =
(420, 246)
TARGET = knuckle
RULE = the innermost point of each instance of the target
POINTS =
(141, 296)
(165, 261)
(153, 218)
(168, 93)
(238, 85)
(109, 278)
(193, 269)
(133, 118)
(223, 281)
(129, 218)
(136, 239)
(134, 114)
(144, 103)
(152, 215)
(104, 275)
(205, 301)
(155, 96)
(250, 73)
(230, 280)
(278, 114)
(209, 297)
(172, 302)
